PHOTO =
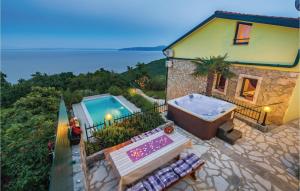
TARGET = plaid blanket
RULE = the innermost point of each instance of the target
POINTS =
(181, 168)
(193, 160)
(137, 187)
(167, 176)
(146, 134)
(153, 183)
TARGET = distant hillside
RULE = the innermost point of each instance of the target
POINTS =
(155, 68)
(156, 48)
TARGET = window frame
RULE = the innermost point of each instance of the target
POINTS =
(236, 33)
(215, 83)
(240, 86)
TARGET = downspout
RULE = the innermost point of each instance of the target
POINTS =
(167, 76)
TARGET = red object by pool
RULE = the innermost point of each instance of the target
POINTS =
(148, 148)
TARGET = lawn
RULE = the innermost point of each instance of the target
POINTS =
(159, 94)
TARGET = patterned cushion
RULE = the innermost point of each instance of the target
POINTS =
(167, 176)
(193, 160)
(137, 138)
(156, 130)
(146, 134)
(137, 187)
(181, 168)
(153, 183)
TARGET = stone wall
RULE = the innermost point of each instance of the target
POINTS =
(276, 86)
(181, 81)
(84, 163)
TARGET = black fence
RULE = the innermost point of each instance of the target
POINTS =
(253, 112)
(91, 129)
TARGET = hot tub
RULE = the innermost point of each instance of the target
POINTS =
(199, 114)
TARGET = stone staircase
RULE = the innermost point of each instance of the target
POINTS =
(227, 133)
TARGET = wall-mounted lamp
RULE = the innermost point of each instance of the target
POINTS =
(169, 64)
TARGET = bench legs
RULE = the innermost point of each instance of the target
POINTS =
(193, 175)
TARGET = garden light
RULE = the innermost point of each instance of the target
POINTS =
(108, 117)
(267, 109)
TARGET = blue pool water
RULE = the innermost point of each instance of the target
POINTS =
(98, 108)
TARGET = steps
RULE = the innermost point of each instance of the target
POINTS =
(227, 133)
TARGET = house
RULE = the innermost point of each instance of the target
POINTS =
(265, 53)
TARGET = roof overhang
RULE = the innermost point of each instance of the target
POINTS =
(279, 21)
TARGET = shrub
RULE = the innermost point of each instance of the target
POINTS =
(139, 101)
(144, 122)
(76, 96)
(115, 90)
(113, 135)
(157, 83)
(92, 147)
(123, 131)
(161, 94)
(26, 128)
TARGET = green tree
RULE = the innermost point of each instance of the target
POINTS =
(26, 128)
(211, 66)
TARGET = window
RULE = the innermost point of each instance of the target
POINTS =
(220, 83)
(248, 88)
(242, 33)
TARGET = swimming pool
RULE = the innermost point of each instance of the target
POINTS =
(97, 108)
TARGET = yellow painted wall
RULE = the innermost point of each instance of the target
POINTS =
(293, 111)
(268, 44)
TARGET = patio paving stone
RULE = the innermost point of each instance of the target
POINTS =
(258, 161)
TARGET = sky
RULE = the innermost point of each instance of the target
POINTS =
(116, 23)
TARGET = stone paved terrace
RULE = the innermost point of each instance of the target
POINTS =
(258, 161)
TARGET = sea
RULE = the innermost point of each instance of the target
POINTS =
(21, 63)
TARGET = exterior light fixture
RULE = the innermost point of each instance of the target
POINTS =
(266, 109)
(108, 117)
(132, 91)
(169, 64)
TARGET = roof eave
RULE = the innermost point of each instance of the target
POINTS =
(249, 18)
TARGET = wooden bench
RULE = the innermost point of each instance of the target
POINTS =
(171, 173)
(191, 174)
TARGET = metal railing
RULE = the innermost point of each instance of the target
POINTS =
(134, 116)
(252, 112)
